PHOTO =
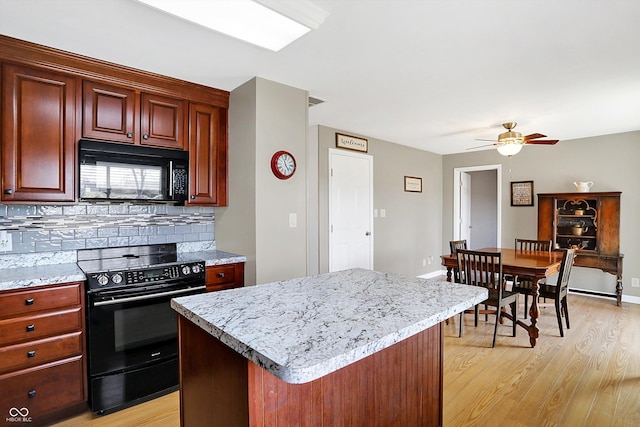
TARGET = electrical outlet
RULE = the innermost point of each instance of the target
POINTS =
(424, 262)
(6, 243)
(635, 282)
(293, 220)
(430, 259)
(383, 213)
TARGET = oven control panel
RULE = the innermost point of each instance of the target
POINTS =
(158, 274)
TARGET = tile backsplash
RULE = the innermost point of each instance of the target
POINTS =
(51, 228)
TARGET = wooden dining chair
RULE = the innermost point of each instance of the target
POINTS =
(560, 290)
(524, 284)
(454, 245)
(479, 268)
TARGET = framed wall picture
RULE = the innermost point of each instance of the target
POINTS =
(413, 184)
(522, 193)
(352, 142)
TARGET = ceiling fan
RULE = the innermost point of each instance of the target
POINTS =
(510, 142)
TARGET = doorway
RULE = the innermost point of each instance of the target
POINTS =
(350, 210)
(477, 202)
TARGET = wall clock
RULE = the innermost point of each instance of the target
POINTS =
(283, 165)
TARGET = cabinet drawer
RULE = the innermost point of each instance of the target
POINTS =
(32, 353)
(17, 303)
(43, 390)
(220, 274)
(40, 325)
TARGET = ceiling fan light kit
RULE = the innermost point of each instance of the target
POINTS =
(510, 142)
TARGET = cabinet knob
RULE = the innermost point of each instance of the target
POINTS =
(31, 328)
(145, 136)
(129, 135)
(31, 353)
(8, 191)
(193, 196)
(31, 393)
(29, 301)
(221, 275)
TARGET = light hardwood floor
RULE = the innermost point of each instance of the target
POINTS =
(591, 377)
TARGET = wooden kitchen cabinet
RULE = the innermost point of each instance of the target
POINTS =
(42, 356)
(123, 114)
(37, 138)
(225, 276)
(207, 155)
(589, 222)
(52, 98)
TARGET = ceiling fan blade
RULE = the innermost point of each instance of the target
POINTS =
(482, 146)
(488, 140)
(534, 136)
(543, 141)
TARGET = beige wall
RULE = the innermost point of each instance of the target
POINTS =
(265, 117)
(609, 161)
(411, 230)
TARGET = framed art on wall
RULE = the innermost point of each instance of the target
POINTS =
(522, 193)
(413, 184)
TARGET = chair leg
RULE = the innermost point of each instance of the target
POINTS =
(526, 305)
(460, 333)
(495, 329)
(559, 316)
(566, 311)
(514, 314)
(476, 312)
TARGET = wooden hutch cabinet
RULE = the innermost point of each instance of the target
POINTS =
(589, 222)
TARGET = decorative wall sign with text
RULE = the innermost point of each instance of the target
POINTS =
(352, 142)
(522, 193)
(413, 184)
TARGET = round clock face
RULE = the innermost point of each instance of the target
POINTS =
(283, 165)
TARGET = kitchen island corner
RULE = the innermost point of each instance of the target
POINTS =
(356, 347)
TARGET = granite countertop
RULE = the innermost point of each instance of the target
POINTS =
(210, 258)
(303, 329)
(39, 275)
(52, 274)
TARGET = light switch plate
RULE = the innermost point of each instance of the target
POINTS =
(293, 220)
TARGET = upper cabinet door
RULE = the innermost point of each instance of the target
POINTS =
(119, 114)
(38, 141)
(207, 155)
(109, 113)
(162, 121)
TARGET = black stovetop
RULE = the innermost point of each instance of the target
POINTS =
(126, 258)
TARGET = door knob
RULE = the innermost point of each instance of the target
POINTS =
(368, 233)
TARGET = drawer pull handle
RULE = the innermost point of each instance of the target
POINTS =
(29, 301)
(31, 353)
(31, 394)
(31, 328)
(221, 275)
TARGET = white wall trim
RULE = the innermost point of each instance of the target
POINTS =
(456, 197)
(433, 274)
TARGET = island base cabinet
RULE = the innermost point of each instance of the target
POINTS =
(398, 386)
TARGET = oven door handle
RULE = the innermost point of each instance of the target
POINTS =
(145, 297)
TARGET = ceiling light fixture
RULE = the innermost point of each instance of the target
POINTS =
(510, 142)
(271, 24)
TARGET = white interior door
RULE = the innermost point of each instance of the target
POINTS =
(465, 208)
(350, 210)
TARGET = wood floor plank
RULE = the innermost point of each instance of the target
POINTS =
(591, 377)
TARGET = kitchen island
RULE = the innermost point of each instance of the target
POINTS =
(355, 347)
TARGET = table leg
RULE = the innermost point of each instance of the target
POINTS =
(449, 269)
(534, 313)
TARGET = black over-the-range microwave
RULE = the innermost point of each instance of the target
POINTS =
(124, 172)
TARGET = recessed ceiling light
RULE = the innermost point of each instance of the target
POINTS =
(263, 24)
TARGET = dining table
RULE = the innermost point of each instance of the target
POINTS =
(537, 265)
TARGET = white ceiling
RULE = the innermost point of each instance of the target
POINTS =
(432, 74)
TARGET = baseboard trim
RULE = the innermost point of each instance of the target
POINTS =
(596, 294)
(433, 274)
